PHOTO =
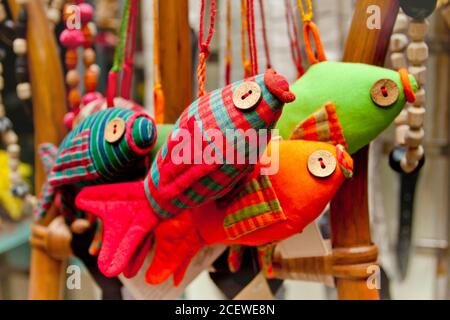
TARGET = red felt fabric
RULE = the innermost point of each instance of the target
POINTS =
(127, 219)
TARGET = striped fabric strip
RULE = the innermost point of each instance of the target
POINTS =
(255, 207)
(45, 200)
(323, 125)
(214, 110)
(74, 163)
(265, 258)
(47, 154)
(235, 254)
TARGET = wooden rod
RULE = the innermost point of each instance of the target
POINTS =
(49, 107)
(350, 227)
(175, 57)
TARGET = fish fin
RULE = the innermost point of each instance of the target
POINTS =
(45, 201)
(323, 125)
(176, 243)
(126, 218)
(255, 207)
(139, 256)
(47, 153)
(74, 163)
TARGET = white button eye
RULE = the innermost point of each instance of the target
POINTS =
(247, 95)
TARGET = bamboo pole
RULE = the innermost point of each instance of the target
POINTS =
(49, 107)
(350, 227)
(175, 57)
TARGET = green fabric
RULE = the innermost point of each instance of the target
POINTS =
(163, 134)
(348, 86)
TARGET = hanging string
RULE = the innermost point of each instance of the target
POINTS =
(113, 75)
(204, 45)
(309, 27)
(293, 38)
(129, 50)
(264, 34)
(245, 61)
(228, 44)
(252, 36)
(158, 93)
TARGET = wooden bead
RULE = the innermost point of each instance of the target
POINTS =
(80, 226)
(401, 24)
(400, 134)
(13, 164)
(2, 110)
(408, 167)
(414, 138)
(414, 155)
(73, 78)
(93, 28)
(89, 56)
(417, 30)
(420, 98)
(71, 59)
(54, 15)
(10, 137)
(399, 41)
(20, 46)
(95, 68)
(90, 80)
(74, 98)
(416, 117)
(15, 177)
(402, 118)
(417, 52)
(13, 151)
(24, 91)
(2, 13)
(420, 73)
(398, 60)
(1, 68)
(418, 9)
(2, 83)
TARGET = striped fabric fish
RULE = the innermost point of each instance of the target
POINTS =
(86, 157)
(268, 209)
(206, 156)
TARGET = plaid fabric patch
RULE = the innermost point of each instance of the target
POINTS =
(323, 125)
(45, 200)
(74, 163)
(47, 154)
(255, 207)
(265, 257)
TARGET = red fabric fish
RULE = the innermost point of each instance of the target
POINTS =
(178, 178)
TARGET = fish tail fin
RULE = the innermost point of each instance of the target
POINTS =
(127, 220)
(47, 153)
(176, 243)
(45, 201)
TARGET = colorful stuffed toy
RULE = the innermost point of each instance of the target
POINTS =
(361, 100)
(178, 179)
(266, 210)
(108, 146)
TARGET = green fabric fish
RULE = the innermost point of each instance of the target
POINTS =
(358, 99)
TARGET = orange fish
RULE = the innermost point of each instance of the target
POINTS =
(266, 210)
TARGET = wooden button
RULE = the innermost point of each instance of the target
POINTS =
(247, 95)
(321, 163)
(384, 93)
(114, 130)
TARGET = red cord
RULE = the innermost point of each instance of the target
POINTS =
(251, 36)
(204, 45)
(264, 34)
(130, 47)
(293, 38)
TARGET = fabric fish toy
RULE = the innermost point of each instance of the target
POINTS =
(108, 146)
(268, 209)
(178, 179)
(357, 100)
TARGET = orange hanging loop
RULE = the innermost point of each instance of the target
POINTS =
(245, 62)
(204, 46)
(158, 93)
(308, 28)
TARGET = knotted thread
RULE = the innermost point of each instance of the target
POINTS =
(252, 36)
(293, 38)
(204, 45)
(264, 34)
(246, 64)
